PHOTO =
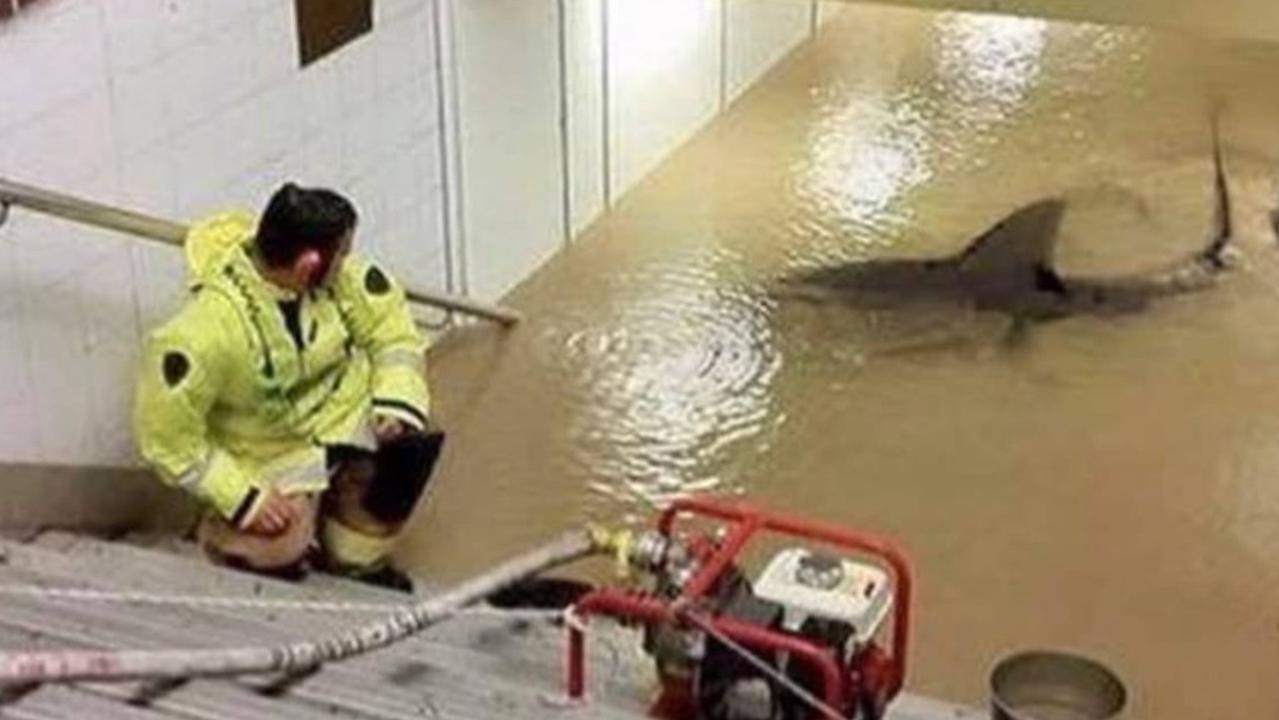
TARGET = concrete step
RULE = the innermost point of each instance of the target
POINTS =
(318, 581)
(530, 650)
(196, 700)
(368, 686)
(182, 558)
(463, 680)
(57, 702)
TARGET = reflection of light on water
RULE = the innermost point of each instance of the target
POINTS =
(989, 63)
(868, 149)
(674, 382)
(865, 154)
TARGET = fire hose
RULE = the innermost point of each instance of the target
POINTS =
(26, 668)
(223, 602)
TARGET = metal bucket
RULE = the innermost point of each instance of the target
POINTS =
(1043, 685)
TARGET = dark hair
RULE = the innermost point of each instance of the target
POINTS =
(298, 219)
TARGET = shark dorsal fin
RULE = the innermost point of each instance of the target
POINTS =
(1018, 249)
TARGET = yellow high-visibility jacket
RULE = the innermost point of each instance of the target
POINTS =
(237, 395)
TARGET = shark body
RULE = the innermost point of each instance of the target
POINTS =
(1009, 269)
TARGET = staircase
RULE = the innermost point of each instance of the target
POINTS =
(479, 665)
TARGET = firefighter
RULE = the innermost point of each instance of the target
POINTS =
(288, 395)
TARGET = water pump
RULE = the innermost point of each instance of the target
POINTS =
(820, 632)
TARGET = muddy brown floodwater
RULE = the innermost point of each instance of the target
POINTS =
(1108, 484)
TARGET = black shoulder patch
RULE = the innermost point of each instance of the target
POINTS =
(176, 366)
(376, 282)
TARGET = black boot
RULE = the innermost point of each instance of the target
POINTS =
(296, 572)
(293, 572)
(384, 576)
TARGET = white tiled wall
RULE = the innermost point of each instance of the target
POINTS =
(179, 107)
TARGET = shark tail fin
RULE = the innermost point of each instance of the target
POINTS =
(1222, 226)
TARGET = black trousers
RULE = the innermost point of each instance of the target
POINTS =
(385, 485)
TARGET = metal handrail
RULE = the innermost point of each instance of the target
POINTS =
(148, 227)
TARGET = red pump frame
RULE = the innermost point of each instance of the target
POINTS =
(744, 522)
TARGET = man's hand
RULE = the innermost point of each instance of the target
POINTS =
(387, 428)
(275, 515)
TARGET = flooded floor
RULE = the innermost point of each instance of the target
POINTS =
(1106, 484)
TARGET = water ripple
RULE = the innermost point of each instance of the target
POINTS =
(675, 380)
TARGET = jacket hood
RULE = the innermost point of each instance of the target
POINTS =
(211, 242)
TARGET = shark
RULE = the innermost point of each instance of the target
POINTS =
(1009, 269)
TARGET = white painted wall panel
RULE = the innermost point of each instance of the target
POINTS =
(664, 80)
(760, 33)
(507, 61)
(585, 80)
